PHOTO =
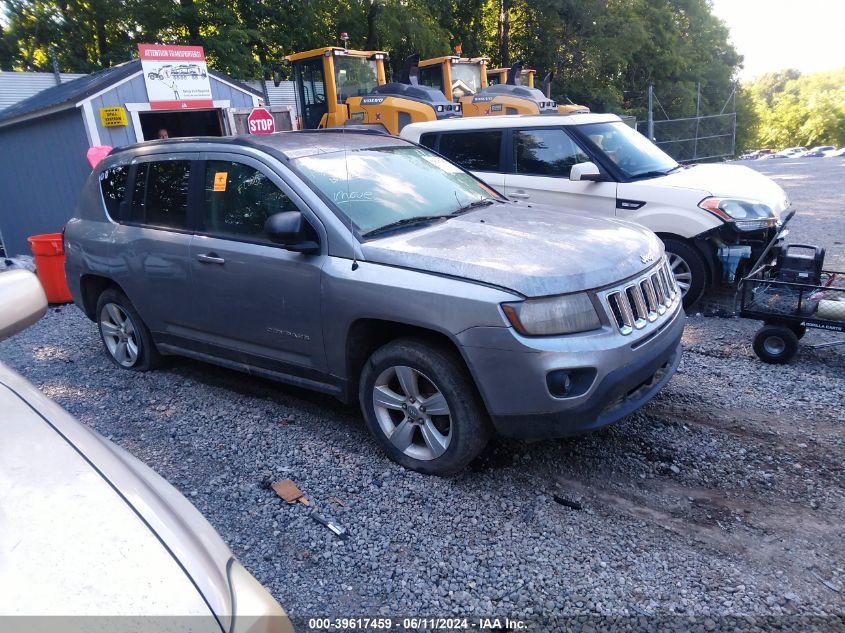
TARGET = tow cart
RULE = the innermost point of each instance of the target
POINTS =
(790, 290)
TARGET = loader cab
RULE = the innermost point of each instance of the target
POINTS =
(327, 77)
(454, 76)
(500, 76)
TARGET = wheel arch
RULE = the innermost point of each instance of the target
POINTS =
(704, 247)
(91, 287)
(366, 335)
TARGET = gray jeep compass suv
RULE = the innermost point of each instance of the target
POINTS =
(372, 269)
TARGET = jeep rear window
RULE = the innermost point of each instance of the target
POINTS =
(160, 197)
(377, 187)
(113, 187)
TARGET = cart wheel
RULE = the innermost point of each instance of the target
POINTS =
(775, 344)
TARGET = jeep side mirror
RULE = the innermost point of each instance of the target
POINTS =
(22, 301)
(585, 171)
(292, 231)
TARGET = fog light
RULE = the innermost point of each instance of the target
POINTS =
(560, 383)
(568, 383)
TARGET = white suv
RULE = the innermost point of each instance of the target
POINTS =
(713, 219)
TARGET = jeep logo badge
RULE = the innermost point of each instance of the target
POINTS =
(648, 257)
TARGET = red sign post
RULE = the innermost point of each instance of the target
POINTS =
(260, 121)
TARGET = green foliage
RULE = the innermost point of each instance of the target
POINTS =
(603, 53)
(794, 110)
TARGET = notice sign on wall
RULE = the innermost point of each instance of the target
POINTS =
(176, 76)
(113, 117)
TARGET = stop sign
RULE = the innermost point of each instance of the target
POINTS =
(260, 121)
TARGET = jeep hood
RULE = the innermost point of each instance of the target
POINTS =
(726, 181)
(534, 250)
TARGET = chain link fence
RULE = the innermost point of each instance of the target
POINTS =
(695, 138)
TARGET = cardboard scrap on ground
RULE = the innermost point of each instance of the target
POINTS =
(290, 492)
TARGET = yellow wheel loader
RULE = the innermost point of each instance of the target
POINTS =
(526, 78)
(338, 86)
(464, 80)
(500, 76)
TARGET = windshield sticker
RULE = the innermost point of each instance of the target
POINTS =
(220, 179)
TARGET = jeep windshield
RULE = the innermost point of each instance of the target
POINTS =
(632, 153)
(393, 187)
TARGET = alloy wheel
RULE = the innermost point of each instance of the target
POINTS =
(412, 412)
(119, 334)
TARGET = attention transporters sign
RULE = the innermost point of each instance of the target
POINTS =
(176, 76)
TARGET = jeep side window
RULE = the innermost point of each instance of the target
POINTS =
(475, 151)
(545, 152)
(239, 199)
(113, 188)
(160, 196)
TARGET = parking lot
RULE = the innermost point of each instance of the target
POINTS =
(725, 495)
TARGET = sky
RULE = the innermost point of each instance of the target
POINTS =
(776, 34)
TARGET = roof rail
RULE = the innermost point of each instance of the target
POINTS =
(355, 128)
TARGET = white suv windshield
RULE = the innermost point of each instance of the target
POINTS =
(377, 188)
(633, 153)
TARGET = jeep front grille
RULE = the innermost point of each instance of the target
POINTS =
(643, 300)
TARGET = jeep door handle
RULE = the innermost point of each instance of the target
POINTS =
(211, 258)
(520, 195)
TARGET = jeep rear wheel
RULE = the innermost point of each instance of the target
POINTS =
(420, 404)
(125, 336)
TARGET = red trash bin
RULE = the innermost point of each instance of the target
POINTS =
(50, 266)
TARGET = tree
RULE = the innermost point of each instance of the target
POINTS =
(796, 110)
(603, 53)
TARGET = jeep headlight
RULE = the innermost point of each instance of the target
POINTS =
(747, 215)
(564, 314)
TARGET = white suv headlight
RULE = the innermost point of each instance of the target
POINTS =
(747, 215)
(564, 314)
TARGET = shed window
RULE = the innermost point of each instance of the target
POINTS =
(113, 186)
(160, 197)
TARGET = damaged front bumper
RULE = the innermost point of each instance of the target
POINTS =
(736, 250)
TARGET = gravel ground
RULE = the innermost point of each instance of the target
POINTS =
(724, 496)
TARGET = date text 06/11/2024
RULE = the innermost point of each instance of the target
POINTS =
(414, 624)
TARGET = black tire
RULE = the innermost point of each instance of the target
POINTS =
(775, 344)
(147, 356)
(694, 262)
(436, 369)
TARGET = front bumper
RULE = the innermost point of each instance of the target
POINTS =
(628, 373)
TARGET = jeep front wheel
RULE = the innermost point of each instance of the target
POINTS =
(422, 407)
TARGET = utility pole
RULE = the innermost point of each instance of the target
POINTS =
(650, 127)
(697, 120)
(57, 75)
